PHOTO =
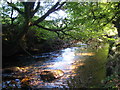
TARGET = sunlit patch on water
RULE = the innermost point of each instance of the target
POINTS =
(23, 69)
(86, 54)
(76, 65)
(66, 60)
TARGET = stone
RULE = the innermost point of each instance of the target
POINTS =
(50, 75)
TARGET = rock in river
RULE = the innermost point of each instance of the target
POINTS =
(50, 75)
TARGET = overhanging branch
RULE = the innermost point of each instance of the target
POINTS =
(56, 7)
(68, 34)
(110, 19)
(37, 7)
(60, 5)
(15, 8)
(54, 30)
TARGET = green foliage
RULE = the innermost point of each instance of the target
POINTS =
(83, 21)
(111, 81)
(44, 34)
(91, 19)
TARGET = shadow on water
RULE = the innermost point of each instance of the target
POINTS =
(82, 66)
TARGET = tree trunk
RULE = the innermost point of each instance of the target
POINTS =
(11, 47)
(118, 29)
(117, 25)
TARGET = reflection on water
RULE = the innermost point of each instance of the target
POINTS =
(66, 60)
(86, 54)
(76, 62)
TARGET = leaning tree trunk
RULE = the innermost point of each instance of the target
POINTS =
(10, 47)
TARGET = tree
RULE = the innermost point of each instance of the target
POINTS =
(24, 21)
(84, 20)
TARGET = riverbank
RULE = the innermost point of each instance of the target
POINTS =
(49, 46)
(113, 66)
(22, 55)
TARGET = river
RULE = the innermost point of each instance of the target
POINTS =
(83, 66)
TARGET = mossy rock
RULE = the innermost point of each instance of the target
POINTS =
(50, 75)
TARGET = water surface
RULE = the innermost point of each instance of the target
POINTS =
(84, 65)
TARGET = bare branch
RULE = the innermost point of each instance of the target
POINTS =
(36, 9)
(53, 9)
(60, 5)
(58, 34)
(15, 8)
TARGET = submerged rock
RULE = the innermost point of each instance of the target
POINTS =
(10, 70)
(50, 75)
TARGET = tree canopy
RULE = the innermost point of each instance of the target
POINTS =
(82, 20)
(93, 18)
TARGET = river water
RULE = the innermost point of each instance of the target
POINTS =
(83, 66)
